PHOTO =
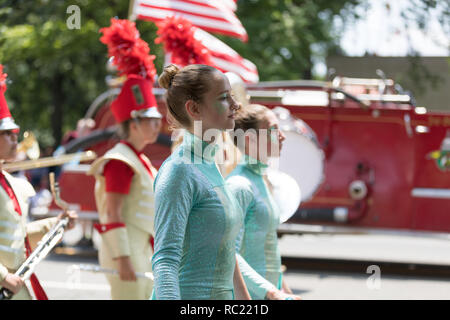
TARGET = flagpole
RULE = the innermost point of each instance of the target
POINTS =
(131, 14)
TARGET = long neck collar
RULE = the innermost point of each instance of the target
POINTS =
(254, 165)
(199, 147)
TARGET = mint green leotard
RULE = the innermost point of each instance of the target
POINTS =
(257, 243)
(197, 220)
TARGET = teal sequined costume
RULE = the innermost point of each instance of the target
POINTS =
(257, 242)
(197, 220)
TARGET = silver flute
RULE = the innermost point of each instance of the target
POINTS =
(48, 241)
(97, 269)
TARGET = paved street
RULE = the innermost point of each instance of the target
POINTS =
(390, 248)
(327, 285)
(62, 282)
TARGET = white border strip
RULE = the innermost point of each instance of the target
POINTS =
(75, 286)
(431, 193)
(346, 230)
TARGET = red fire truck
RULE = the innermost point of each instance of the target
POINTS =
(365, 156)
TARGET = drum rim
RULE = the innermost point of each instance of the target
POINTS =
(311, 135)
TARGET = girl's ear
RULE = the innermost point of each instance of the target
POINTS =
(133, 125)
(193, 109)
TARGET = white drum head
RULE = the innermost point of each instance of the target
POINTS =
(285, 192)
(302, 160)
(300, 156)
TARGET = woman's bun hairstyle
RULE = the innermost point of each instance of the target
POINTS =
(166, 78)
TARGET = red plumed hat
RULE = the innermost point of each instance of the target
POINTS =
(6, 120)
(177, 34)
(131, 56)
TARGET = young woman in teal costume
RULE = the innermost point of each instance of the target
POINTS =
(257, 243)
(197, 219)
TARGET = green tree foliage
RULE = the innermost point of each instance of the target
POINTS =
(54, 72)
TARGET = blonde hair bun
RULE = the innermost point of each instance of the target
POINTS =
(166, 78)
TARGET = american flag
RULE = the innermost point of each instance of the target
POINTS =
(231, 4)
(210, 15)
(224, 58)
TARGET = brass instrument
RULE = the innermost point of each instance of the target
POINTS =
(29, 146)
(49, 161)
(50, 240)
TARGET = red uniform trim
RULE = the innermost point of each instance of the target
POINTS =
(152, 243)
(10, 192)
(139, 154)
(102, 228)
(37, 288)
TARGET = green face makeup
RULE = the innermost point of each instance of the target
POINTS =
(222, 103)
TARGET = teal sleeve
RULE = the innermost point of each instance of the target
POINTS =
(241, 189)
(257, 285)
(174, 193)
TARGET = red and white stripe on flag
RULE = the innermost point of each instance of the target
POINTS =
(225, 58)
(211, 15)
(231, 4)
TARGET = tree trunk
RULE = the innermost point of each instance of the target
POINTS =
(57, 112)
(307, 72)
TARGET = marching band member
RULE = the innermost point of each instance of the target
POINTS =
(257, 243)
(197, 219)
(124, 175)
(17, 237)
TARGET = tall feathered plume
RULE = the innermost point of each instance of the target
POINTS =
(2, 79)
(177, 34)
(130, 53)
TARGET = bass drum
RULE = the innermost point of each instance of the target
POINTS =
(286, 193)
(301, 157)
